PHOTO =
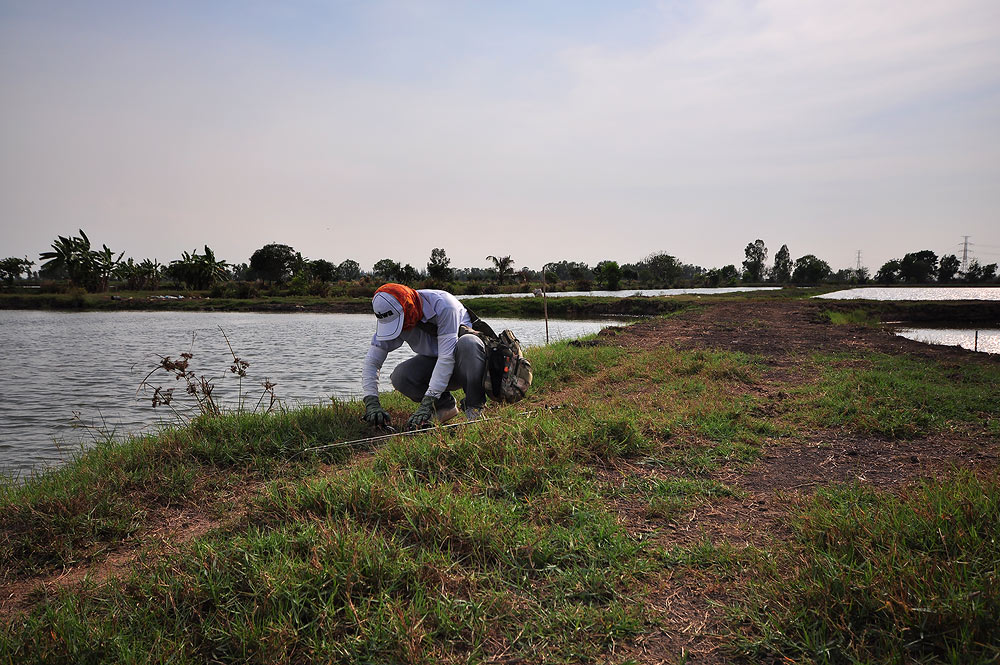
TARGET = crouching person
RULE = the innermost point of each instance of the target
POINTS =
(428, 320)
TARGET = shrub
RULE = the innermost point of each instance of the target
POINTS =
(243, 290)
(317, 288)
(361, 290)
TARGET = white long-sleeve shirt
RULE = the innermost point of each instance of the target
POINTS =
(440, 309)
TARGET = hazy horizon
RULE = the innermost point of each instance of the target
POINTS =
(585, 130)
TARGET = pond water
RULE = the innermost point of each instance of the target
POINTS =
(916, 293)
(628, 294)
(988, 340)
(91, 364)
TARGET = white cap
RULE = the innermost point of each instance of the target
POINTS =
(390, 316)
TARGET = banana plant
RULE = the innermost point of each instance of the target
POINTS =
(103, 266)
(199, 271)
(70, 258)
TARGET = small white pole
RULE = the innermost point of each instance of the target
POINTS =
(545, 307)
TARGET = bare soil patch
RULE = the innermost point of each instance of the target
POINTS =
(775, 330)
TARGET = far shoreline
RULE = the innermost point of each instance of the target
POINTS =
(571, 308)
(965, 312)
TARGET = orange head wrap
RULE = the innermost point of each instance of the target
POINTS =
(413, 307)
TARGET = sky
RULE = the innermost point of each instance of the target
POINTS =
(577, 130)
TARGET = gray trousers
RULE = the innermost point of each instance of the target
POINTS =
(411, 377)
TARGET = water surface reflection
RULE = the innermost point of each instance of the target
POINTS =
(916, 293)
(988, 340)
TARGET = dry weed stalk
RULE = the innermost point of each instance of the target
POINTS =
(202, 388)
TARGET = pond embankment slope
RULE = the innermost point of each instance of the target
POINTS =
(570, 307)
(737, 481)
(531, 307)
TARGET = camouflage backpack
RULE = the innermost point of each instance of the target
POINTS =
(508, 372)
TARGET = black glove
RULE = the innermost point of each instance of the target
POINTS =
(422, 416)
(375, 415)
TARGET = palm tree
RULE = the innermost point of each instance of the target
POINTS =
(503, 265)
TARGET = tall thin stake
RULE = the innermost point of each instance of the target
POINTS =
(545, 307)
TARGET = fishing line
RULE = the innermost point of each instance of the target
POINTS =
(391, 435)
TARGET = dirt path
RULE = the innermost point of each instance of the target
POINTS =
(690, 608)
(777, 330)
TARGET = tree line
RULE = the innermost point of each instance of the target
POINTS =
(74, 262)
(925, 266)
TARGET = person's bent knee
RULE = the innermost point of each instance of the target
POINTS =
(396, 378)
(404, 383)
(411, 377)
(470, 344)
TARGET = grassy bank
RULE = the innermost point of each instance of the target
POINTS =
(528, 307)
(574, 307)
(960, 313)
(557, 535)
(957, 313)
(190, 302)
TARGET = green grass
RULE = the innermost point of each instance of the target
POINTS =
(320, 592)
(558, 365)
(897, 396)
(851, 317)
(438, 545)
(697, 398)
(716, 560)
(669, 498)
(874, 577)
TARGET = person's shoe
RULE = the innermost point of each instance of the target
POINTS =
(446, 414)
(472, 414)
(445, 409)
